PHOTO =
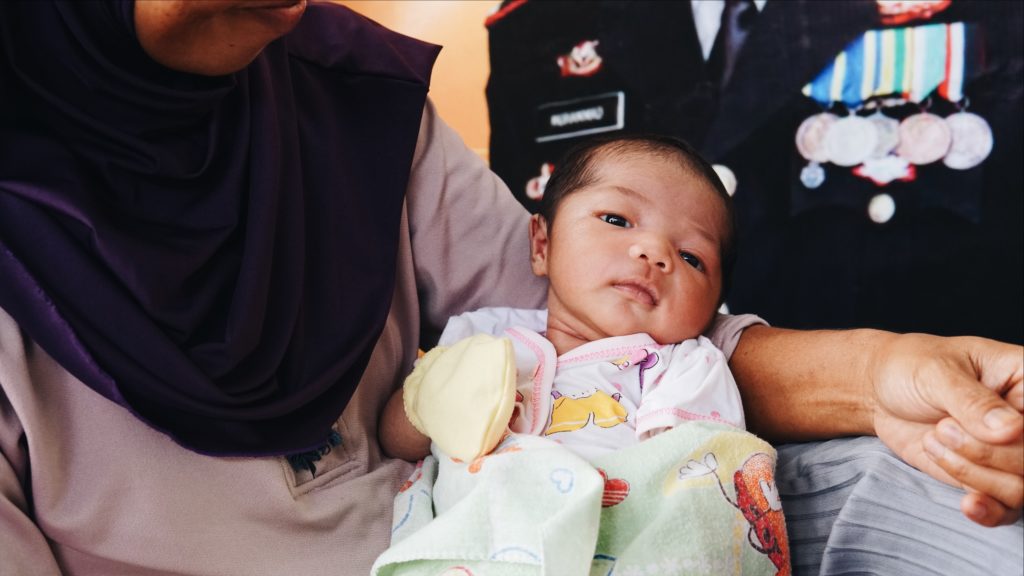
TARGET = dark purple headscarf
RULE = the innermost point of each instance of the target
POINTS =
(215, 254)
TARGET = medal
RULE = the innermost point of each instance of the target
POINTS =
(890, 67)
(812, 175)
(851, 140)
(924, 138)
(888, 131)
(810, 136)
(971, 134)
(810, 142)
(972, 141)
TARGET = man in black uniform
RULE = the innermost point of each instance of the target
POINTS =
(934, 249)
(837, 228)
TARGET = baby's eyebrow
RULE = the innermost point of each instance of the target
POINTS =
(627, 191)
(707, 236)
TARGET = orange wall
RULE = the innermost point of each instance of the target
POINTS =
(460, 76)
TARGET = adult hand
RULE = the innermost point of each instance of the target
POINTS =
(952, 407)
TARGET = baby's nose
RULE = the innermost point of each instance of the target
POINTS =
(653, 254)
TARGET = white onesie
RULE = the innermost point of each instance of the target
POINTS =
(610, 393)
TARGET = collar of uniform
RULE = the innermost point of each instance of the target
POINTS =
(707, 16)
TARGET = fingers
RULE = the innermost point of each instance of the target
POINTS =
(991, 412)
(905, 439)
(986, 511)
(1008, 457)
(992, 470)
(983, 413)
(1015, 397)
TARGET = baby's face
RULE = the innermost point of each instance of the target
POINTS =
(638, 250)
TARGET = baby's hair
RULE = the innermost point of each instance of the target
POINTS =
(576, 170)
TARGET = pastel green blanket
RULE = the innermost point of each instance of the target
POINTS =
(698, 499)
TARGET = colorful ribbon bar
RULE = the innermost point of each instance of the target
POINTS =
(910, 62)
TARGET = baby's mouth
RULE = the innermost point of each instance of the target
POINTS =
(638, 292)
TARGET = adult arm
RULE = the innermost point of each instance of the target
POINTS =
(470, 237)
(23, 548)
(470, 250)
(909, 389)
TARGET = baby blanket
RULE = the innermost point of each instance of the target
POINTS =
(698, 499)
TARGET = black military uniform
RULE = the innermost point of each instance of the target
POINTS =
(948, 261)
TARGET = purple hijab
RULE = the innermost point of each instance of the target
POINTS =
(217, 255)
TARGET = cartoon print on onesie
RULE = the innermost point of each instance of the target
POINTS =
(641, 358)
(569, 413)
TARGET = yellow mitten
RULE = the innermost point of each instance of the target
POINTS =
(462, 395)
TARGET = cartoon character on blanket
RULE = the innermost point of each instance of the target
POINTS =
(598, 477)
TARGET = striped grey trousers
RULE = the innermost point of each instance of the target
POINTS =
(853, 507)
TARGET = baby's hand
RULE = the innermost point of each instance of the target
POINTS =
(462, 396)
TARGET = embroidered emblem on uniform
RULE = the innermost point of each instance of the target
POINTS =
(900, 11)
(582, 60)
(535, 186)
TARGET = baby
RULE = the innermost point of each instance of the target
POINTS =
(635, 236)
(555, 435)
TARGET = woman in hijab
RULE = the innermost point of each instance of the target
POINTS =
(225, 230)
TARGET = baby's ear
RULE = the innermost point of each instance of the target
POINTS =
(539, 245)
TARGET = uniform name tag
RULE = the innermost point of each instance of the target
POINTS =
(580, 116)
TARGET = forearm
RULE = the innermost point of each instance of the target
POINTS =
(803, 385)
(398, 437)
(23, 547)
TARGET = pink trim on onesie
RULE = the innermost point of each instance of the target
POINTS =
(538, 378)
(605, 353)
(685, 415)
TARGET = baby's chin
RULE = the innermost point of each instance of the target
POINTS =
(675, 338)
(663, 337)
(679, 333)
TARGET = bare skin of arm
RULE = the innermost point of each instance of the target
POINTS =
(398, 437)
(786, 399)
(949, 406)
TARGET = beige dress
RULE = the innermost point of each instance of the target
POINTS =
(85, 488)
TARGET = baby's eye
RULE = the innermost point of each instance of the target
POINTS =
(615, 220)
(691, 260)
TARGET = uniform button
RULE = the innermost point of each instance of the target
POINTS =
(881, 208)
(728, 178)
